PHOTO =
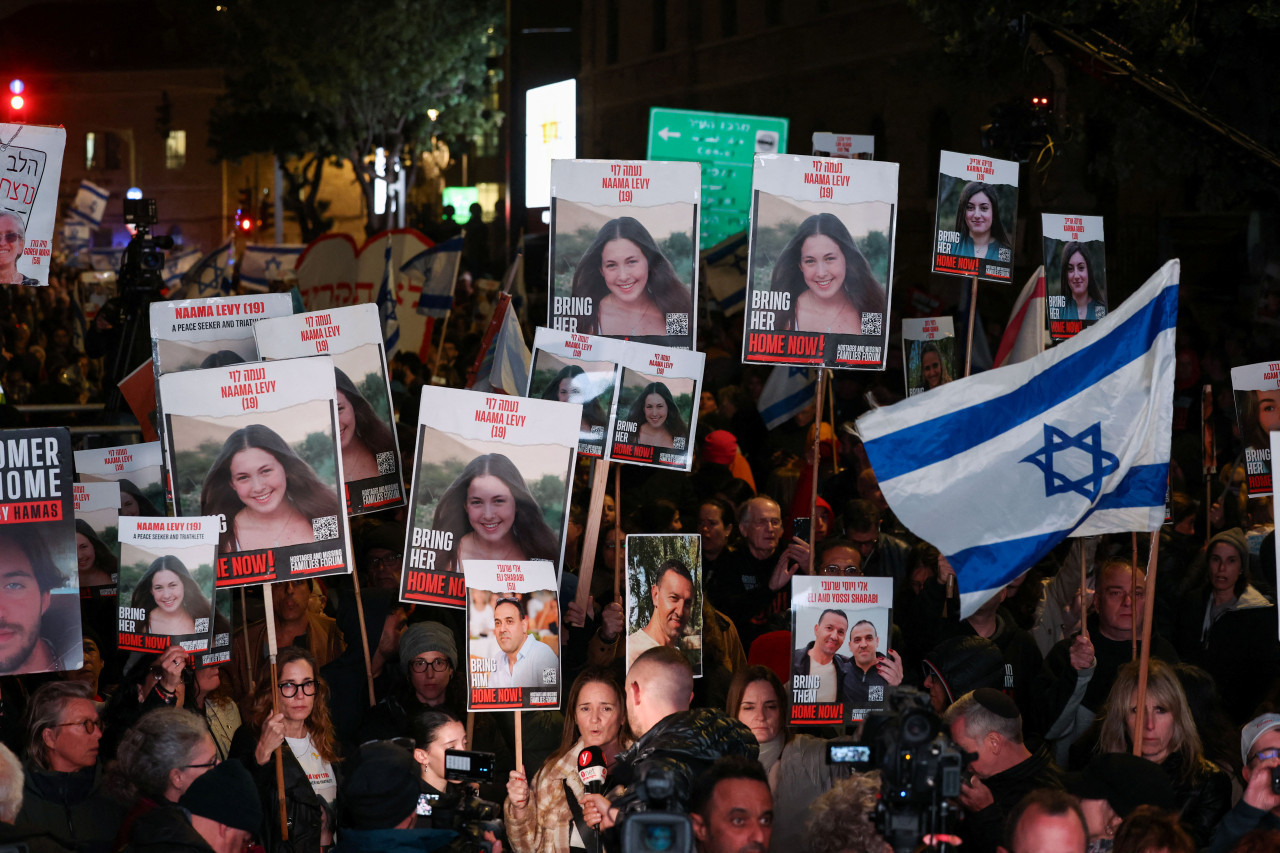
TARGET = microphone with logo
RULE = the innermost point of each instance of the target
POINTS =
(592, 770)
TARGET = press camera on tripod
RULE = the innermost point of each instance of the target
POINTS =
(143, 260)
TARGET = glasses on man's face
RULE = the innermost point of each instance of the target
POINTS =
(389, 561)
(850, 570)
(89, 725)
(1264, 755)
(289, 689)
(11, 236)
(421, 664)
(209, 765)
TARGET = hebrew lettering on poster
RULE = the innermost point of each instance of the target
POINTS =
(20, 180)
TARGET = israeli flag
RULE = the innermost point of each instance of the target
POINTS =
(386, 302)
(996, 469)
(261, 264)
(786, 393)
(438, 269)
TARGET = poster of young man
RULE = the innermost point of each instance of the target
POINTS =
(820, 274)
(656, 414)
(39, 599)
(518, 664)
(624, 249)
(30, 170)
(840, 628)
(573, 368)
(1075, 272)
(257, 444)
(664, 595)
(97, 514)
(352, 336)
(167, 582)
(136, 467)
(977, 216)
(491, 482)
(928, 353)
(845, 146)
(1257, 392)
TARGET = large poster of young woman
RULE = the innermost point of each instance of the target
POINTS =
(1257, 392)
(517, 663)
(574, 368)
(820, 274)
(977, 216)
(1075, 272)
(257, 444)
(491, 481)
(167, 583)
(352, 337)
(136, 467)
(624, 249)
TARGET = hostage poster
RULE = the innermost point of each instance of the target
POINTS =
(1075, 273)
(97, 509)
(257, 445)
(664, 595)
(928, 353)
(574, 368)
(656, 409)
(352, 336)
(1257, 392)
(30, 170)
(491, 482)
(136, 467)
(840, 632)
(167, 583)
(820, 272)
(516, 664)
(624, 249)
(977, 216)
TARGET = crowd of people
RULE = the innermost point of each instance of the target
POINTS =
(1039, 687)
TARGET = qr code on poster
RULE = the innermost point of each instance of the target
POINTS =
(387, 462)
(324, 528)
(875, 693)
(678, 442)
(872, 323)
(549, 675)
(677, 324)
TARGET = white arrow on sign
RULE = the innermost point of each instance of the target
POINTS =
(666, 133)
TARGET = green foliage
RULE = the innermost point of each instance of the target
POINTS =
(644, 555)
(374, 389)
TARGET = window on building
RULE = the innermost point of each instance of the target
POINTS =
(175, 149)
(91, 150)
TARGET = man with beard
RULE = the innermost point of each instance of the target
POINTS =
(524, 660)
(29, 642)
(820, 659)
(672, 597)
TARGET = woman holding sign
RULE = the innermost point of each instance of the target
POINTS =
(982, 234)
(267, 493)
(632, 286)
(829, 279)
(655, 411)
(1084, 297)
(171, 597)
(493, 515)
(361, 433)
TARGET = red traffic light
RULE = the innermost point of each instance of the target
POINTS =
(246, 224)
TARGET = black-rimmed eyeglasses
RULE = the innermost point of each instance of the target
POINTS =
(421, 664)
(208, 765)
(90, 725)
(289, 689)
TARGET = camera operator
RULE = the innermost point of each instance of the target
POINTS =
(443, 804)
(732, 807)
(840, 820)
(1259, 808)
(673, 739)
(379, 804)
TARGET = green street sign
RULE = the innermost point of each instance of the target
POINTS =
(725, 144)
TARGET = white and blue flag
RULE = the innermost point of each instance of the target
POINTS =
(262, 264)
(386, 302)
(787, 392)
(438, 269)
(996, 469)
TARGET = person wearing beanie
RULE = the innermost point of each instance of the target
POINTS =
(1111, 786)
(1229, 628)
(380, 802)
(220, 812)
(429, 663)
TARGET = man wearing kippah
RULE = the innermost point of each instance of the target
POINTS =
(987, 724)
(1259, 808)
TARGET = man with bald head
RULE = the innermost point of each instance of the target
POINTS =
(672, 737)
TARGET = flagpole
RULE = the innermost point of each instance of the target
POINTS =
(831, 409)
(595, 506)
(1133, 597)
(973, 312)
(617, 517)
(1084, 592)
(1144, 657)
(817, 458)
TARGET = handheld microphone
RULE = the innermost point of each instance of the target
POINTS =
(591, 769)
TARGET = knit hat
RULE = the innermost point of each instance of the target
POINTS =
(427, 637)
(1123, 780)
(719, 447)
(1236, 539)
(226, 794)
(383, 789)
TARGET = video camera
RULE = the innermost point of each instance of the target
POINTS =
(473, 817)
(920, 768)
(143, 260)
(663, 827)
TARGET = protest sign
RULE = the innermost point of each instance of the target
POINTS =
(352, 336)
(840, 630)
(190, 334)
(977, 216)
(258, 445)
(575, 368)
(928, 353)
(136, 467)
(1075, 272)
(624, 249)
(664, 595)
(821, 261)
(167, 582)
(656, 410)
(846, 146)
(37, 537)
(30, 169)
(517, 664)
(491, 482)
(97, 513)
(1257, 393)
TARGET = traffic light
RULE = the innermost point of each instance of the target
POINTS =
(244, 211)
(267, 213)
(17, 100)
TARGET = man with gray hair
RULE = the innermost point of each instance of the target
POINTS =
(14, 837)
(987, 725)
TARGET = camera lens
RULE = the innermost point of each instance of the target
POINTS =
(658, 837)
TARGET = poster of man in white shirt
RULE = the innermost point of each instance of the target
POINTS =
(517, 665)
(664, 595)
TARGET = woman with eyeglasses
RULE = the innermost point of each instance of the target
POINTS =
(304, 731)
(429, 660)
(13, 239)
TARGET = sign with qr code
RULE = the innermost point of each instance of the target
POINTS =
(624, 249)
(257, 445)
(656, 411)
(841, 662)
(820, 268)
(977, 216)
(1075, 273)
(513, 635)
(167, 583)
(928, 353)
(352, 337)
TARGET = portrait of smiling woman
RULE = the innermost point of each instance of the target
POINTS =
(830, 282)
(171, 597)
(13, 240)
(982, 232)
(1080, 280)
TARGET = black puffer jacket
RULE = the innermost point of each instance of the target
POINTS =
(1204, 798)
(683, 744)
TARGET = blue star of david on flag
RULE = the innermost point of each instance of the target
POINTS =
(1088, 440)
